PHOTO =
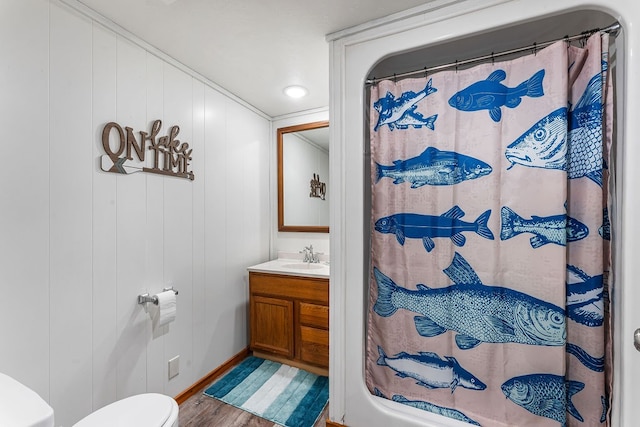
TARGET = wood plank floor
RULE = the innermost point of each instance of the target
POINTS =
(204, 411)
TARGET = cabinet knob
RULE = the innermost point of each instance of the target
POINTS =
(636, 339)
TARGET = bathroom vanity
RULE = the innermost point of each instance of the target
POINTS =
(289, 313)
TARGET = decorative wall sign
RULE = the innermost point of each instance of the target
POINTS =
(318, 189)
(170, 157)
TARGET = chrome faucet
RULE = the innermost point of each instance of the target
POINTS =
(309, 255)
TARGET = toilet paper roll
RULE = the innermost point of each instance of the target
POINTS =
(166, 312)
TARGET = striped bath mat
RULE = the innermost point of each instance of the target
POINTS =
(283, 394)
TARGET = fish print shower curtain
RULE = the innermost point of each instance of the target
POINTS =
(490, 237)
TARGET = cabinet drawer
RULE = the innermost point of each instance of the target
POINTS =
(314, 346)
(290, 287)
(314, 315)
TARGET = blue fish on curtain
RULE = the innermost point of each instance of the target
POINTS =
(400, 112)
(585, 302)
(545, 145)
(428, 227)
(430, 407)
(491, 95)
(558, 229)
(434, 167)
(413, 118)
(488, 314)
(593, 363)
(585, 134)
(430, 370)
(545, 395)
(440, 410)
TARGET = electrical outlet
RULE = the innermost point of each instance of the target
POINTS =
(174, 367)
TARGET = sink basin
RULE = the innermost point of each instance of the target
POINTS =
(292, 267)
(303, 266)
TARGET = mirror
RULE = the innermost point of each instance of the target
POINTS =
(303, 178)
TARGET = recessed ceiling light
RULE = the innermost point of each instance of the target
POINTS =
(295, 91)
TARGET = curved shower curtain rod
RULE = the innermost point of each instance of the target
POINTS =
(612, 29)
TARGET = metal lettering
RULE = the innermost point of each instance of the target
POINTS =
(105, 140)
(170, 156)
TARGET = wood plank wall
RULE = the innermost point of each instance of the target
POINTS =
(78, 244)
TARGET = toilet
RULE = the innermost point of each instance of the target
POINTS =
(22, 407)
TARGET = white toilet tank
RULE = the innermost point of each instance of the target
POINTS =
(21, 406)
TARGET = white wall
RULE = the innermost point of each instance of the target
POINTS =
(293, 242)
(77, 245)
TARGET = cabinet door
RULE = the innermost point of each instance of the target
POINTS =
(272, 325)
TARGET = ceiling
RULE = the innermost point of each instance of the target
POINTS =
(251, 48)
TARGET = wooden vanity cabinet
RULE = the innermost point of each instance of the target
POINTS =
(289, 318)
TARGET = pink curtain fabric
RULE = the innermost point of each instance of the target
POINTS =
(489, 243)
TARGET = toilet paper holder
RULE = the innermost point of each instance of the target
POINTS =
(145, 298)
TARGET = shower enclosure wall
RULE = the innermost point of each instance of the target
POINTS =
(440, 32)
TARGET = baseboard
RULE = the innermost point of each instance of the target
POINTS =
(208, 379)
(333, 424)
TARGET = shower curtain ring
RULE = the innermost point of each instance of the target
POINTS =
(535, 48)
(426, 72)
(456, 65)
(395, 79)
(493, 59)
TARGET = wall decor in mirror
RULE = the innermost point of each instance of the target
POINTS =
(303, 177)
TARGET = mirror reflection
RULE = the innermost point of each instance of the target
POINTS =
(303, 178)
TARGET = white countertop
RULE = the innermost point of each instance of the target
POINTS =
(293, 267)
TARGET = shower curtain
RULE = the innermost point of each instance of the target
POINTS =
(490, 239)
